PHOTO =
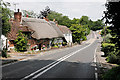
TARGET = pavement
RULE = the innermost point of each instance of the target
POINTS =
(14, 57)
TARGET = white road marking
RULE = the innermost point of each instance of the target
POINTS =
(96, 76)
(95, 60)
(51, 65)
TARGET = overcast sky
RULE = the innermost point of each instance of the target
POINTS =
(71, 8)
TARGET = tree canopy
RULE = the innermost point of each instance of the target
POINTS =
(5, 16)
(84, 20)
(111, 47)
(62, 20)
(78, 32)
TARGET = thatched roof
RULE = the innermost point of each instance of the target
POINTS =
(53, 24)
(15, 27)
(42, 28)
(64, 29)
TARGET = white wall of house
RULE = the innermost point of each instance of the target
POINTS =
(3, 41)
(68, 37)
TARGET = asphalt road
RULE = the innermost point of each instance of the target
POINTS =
(74, 62)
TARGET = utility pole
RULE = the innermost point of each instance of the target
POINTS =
(105, 12)
(0, 31)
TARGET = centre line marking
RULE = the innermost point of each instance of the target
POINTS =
(51, 65)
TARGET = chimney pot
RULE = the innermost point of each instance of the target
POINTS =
(18, 10)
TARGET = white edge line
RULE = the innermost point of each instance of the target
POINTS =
(95, 60)
(60, 61)
(44, 67)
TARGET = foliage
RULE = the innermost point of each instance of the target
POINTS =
(112, 74)
(107, 30)
(5, 15)
(97, 25)
(59, 43)
(62, 20)
(112, 18)
(21, 42)
(43, 47)
(4, 53)
(107, 48)
(29, 13)
(84, 20)
(112, 58)
(55, 46)
(64, 43)
(78, 32)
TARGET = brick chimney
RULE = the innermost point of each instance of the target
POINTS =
(46, 19)
(17, 16)
(55, 22)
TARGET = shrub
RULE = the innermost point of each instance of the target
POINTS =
(4, 53)
(55, 46)
(112, 58)
(64, 43)
(107, 48)
(21, 42)
(59, 43)
(112, 74)
(84, 38)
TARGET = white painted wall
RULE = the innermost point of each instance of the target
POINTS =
(3, 41)
(68, 37)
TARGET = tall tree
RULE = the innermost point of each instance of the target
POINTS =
(5, 16)
(78, 32)
(112, 17)
(84, 20)
(62, 20)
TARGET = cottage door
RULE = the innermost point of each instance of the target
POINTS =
(39, 46)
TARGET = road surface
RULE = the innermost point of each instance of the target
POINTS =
(74, 62)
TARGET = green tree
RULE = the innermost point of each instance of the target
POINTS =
(112, 16)
(5, 16)
(75, 21)
(84, 20)
(97, 25)
(21, 42)
(62, 20)
(78, 32)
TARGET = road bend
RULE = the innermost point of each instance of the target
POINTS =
(74, 62)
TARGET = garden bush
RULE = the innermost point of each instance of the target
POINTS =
(107, 48)
(112, 58)
(84, 38)
(21, 42)
(112, 74)
(4, 53)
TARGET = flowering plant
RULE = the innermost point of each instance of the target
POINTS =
(43, 47)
